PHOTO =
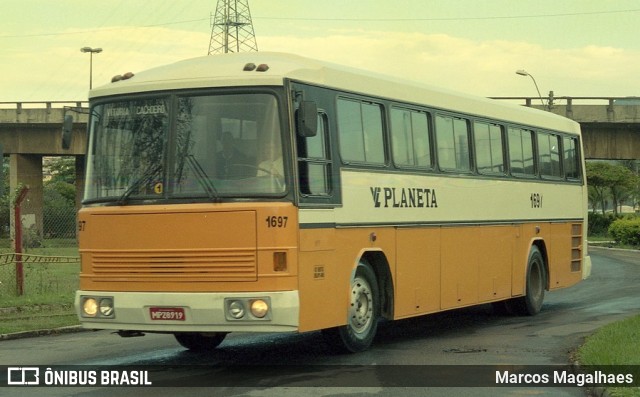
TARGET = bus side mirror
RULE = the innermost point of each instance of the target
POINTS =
(67, 131)
(307, 119)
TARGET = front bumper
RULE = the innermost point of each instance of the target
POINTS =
(203, 312)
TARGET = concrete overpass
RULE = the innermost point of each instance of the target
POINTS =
(31, 130)
(610, 125)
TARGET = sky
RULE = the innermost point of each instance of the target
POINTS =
(571, 47)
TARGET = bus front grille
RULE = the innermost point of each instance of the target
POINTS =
(178, 265)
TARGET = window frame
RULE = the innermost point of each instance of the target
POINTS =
(342, 144)
(456, 152)
(540, 137)
(532, 135)
(412, 139)
(326, 160)
(503, 148)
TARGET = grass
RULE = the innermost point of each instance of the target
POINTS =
(49, 288)
(36, 317)
(616, 344)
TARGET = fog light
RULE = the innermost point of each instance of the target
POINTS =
(106, 307)
(90, 307)
(236, 309)
(259, 308)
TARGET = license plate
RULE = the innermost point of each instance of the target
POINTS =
(167, 313)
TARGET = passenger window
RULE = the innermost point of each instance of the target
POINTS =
(452, 136)
(570, 158)
(410, 138)
(360, 132)
(489, 144)
(314, 161)
(521, 152)
(549, 155)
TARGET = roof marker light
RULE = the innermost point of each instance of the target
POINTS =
(120, 77)
(249, 67)
(263, 67)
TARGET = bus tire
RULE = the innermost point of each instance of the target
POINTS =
(197, 342)
(531, 303)
(363, 313)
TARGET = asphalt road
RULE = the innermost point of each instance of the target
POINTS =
(406, 354)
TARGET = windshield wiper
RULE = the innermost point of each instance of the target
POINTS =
(145, 177)
(203, 178)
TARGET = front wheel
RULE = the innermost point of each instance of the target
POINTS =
(200, 342)
(364, 310)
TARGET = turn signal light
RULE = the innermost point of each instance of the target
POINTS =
(279, 261)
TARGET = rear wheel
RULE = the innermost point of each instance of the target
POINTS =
(200, 342)
(364, 310)
(531, 303)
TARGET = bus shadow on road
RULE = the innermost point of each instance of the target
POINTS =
(287, 349)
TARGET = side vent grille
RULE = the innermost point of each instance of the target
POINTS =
(576, 247)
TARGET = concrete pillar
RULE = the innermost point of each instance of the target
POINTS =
(26, 169)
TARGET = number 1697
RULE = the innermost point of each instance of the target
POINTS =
(276, 221)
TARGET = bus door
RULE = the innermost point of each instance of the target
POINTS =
(318, 193)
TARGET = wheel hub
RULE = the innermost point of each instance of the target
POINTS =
(361, 310)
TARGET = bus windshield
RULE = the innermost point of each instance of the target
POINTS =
(173, 147)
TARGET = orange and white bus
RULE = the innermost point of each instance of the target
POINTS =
(265, 192)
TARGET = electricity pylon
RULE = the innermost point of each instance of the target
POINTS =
(231, 28)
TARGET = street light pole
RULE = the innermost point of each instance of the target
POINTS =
(523, 72)
(91, 51)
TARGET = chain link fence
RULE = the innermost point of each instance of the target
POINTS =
(48, 263)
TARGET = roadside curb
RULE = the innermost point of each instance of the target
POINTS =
(596, 391)
(596, 246)
(43, 332)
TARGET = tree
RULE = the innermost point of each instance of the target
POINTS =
(610, 180)
(62, 169)
(59, 198)
(634, 192)
(5, 209)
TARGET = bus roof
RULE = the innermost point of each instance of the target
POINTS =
(228, 70)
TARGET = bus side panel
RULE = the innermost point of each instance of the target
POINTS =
(459, 268)
(476, 264)
(417, 271)
(494, 246)
(325, 275)
(321, 276)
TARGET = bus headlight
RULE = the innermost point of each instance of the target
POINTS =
(97, 307)
(106, 307)
(259, 308)
(236, 309)
(247, 309)
(90, 307)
